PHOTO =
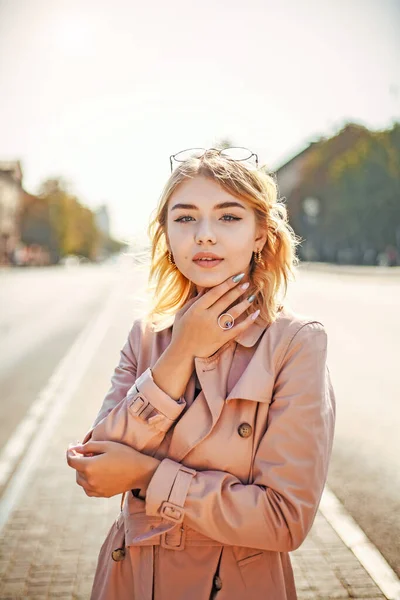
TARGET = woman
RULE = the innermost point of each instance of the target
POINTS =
(219, 423)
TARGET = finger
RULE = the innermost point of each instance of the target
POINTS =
(230, 298)
(89, 491)
(69, 453)
(81, 479)
(240, 327)
(71, 456)
(215, 293)
(240, 307)
(77, 461)
(98, 447)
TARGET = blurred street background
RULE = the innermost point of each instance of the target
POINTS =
(46, 311)
(95, 98)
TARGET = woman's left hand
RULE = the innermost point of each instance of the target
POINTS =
(111, 468)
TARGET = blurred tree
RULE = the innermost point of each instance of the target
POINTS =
(356, 177)
(57, 221)
(73, 225)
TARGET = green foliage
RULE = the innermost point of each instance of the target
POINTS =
(356, 176)
(56, 220)
(73, 225)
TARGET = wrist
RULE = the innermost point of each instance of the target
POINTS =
(149, 468)
(173, 370)
(177, 352)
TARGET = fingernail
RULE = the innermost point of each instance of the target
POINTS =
(255, 315)
(244, 286)
(251, 298)
(238, 277)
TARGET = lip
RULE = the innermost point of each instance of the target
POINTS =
(208, 264)
(206, 255)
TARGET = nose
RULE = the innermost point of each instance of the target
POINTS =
(204, 234)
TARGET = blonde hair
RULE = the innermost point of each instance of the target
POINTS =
(268, 279)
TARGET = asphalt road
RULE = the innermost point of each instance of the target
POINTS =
(42, 311)
(360, 311)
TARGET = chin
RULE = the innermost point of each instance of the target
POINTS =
(199, 280)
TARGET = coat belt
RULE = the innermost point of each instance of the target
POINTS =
(144, 530)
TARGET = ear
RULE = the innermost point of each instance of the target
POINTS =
(260, 240)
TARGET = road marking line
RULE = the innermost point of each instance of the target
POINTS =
(25, 430)
(51, 403)
(356, 540)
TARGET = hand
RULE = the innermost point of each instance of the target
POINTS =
(105, 469)
(196, 330)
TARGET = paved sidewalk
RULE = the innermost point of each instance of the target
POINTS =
(50, 542)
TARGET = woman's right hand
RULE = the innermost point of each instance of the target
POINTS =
(196, 332)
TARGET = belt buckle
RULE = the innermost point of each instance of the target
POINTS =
(164, 541)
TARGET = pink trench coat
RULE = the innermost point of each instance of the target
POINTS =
(243, 465)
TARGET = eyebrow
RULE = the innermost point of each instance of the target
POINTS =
(217, 206)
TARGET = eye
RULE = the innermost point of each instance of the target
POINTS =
(232, 217)
(181, 219)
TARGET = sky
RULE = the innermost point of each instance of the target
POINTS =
(101, 93)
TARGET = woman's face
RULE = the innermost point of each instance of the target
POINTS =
(203, 217)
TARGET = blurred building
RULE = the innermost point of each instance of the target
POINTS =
(342, 194)
(102, 218)
(289, 175)
(11, 195)
(303, 212)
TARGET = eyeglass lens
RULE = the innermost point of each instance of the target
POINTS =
(234, 153)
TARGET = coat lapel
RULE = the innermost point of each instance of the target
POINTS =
(253, 383)
(199, 420)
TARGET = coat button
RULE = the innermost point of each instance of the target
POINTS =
(118, 554)
(217, 582)
(245, 430)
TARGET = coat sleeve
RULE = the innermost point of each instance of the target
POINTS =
(135, 411)
(275, 511)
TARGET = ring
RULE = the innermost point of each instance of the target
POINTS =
(228, 324)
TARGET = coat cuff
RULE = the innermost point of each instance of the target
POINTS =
(167, 490)
(145, 396)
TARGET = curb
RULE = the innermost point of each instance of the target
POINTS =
(355, 539)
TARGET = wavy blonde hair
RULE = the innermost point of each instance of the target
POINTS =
(170, 289)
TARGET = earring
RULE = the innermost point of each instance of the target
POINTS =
(257, 256)
(172, 262)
